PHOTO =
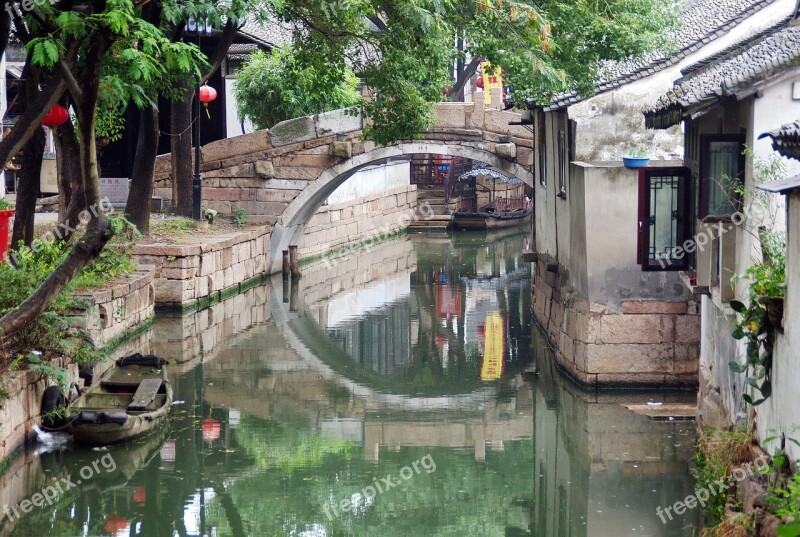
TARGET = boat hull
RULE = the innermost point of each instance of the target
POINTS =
(127, 403)
(483, 220)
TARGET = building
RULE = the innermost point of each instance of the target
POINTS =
(725, 103)
(615, 316)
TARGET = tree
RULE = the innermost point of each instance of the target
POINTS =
(273, 87)
(82, 46)
(404, 51)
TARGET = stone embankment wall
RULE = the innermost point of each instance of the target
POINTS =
(207, 268)
(117, 308)
(646, 342)
(358, 220)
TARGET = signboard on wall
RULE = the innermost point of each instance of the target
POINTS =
(115, 189)
(492, 78)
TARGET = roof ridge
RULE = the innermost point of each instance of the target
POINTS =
(734, 49)
(659, 61)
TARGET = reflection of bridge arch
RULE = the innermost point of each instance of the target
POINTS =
(290, 226)
(375, 399)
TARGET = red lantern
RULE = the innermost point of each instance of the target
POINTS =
(57, 115)
(211, 429)
(139, 495)
(207, 94)
(115, 524)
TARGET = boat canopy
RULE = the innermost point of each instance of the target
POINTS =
(490, 172)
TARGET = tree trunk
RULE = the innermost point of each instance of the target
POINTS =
(181, 127)
(84, 252)
(138, 207)
(463, 76)
(28, 189)
(85, 93)
(69, 167)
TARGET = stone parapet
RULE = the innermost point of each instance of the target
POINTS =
(648, 343)
(205, 268)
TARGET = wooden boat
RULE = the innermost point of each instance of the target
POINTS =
(488, 218)
(129, 401)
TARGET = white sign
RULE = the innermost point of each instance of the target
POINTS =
(115, 189)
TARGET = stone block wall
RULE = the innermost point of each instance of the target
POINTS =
(117, 308)
(643, 343)
(206, 267)
(365, 218)
(21, 407)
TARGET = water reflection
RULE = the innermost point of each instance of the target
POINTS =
(413, 349)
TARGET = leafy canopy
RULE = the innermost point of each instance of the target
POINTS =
(273, 87)
(404, 50)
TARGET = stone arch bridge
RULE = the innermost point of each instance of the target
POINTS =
(282, 176)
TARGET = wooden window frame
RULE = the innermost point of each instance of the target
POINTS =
(684, 219)
(705, 141)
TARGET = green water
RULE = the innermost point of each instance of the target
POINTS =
(383, 396)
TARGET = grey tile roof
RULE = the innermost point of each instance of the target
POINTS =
(271, 33)
(703, 21)
(786, 140)
(734, 71)
(782, 186)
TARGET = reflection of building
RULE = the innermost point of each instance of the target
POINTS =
(601, 469)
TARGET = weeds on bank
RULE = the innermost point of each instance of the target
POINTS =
(718, 452)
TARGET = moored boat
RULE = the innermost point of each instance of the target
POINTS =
(129, 401)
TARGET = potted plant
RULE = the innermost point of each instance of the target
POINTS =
(6, 213)
(635, 158)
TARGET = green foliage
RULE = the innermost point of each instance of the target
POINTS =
(240, 216)
(57, 374)
(784, 502)
(31, 266)
(5, 206)
(717, 453)
(275, 87)
(403, 51)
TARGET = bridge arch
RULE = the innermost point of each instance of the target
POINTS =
(290, 226)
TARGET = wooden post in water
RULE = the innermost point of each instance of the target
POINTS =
(294, 261)
(294, 297)
(286, 288)
(285, 267)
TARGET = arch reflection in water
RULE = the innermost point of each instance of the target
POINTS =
(290, 427)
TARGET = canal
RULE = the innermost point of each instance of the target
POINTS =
(382, 395)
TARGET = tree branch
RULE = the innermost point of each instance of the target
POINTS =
(71, 82)
(465, 75)
(31, 118)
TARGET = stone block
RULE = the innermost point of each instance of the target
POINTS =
(342, 149)
(168, 291)
(507, 151)
(633, 329)
(237, 145)
(654, 306)
(178, 274)
(452, 115)
(241, 170)
(227, 194)
(629, 358)
(293, 131)
(338, 122)
(687, 328)
(264, 169)
(293, 172)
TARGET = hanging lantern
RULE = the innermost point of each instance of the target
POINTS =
(57, 115)
(211, 429)
(207, 94)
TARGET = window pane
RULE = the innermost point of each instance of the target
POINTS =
(723, 175)
(664, 196)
